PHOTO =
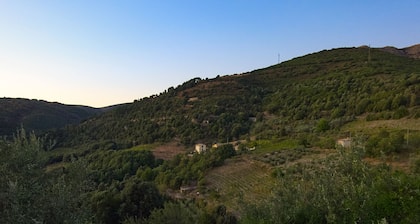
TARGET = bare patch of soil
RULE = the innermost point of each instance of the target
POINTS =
(169, 150)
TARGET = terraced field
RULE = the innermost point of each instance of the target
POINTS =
(247, 178)
(241, 178)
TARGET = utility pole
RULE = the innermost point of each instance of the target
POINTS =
(278, 58)
(369, 57)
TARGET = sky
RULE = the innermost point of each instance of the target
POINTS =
(102, 52)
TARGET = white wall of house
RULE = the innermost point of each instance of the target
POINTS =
(200, 148)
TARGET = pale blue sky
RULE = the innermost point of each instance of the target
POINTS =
(100, 53)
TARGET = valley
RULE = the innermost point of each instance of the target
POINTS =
(277, 160)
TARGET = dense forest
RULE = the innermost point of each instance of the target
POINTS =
(272, 154)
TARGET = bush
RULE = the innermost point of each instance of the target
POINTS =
(326, 143)
(322, 125)
(400, 113)
(226, 151)
(385, 143)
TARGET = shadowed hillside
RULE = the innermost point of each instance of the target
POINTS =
(38, 115)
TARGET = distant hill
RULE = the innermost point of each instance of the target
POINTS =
(411, 52)
(285, 99)
(39, 115)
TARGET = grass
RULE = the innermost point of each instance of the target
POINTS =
(55, 166)
(143, 147)
(66, 151)
(265, 146)
(284, 156)
(373, 126)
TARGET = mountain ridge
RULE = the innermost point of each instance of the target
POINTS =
(40, 115)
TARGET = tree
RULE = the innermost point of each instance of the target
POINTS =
(362, 106)
(139, 199)
(226, 151)
(322, 125)
(105, 205)
(31, 195)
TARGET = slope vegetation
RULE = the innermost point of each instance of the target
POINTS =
(282, 165)
(336, 85)
(38, 115)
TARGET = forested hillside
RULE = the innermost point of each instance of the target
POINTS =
(39, 115)
(272, 151)
(336, 85)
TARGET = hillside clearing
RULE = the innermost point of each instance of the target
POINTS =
(241, 177)
(400, 124)
(168, 150)
(246, 180)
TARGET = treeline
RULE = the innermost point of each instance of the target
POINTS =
(130, 185)
(126, 186)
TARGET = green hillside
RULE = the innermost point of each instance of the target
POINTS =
(39, 115)
(285, 99)
(276, 159)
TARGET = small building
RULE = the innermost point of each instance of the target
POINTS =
(344, 142)
(200, 148)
